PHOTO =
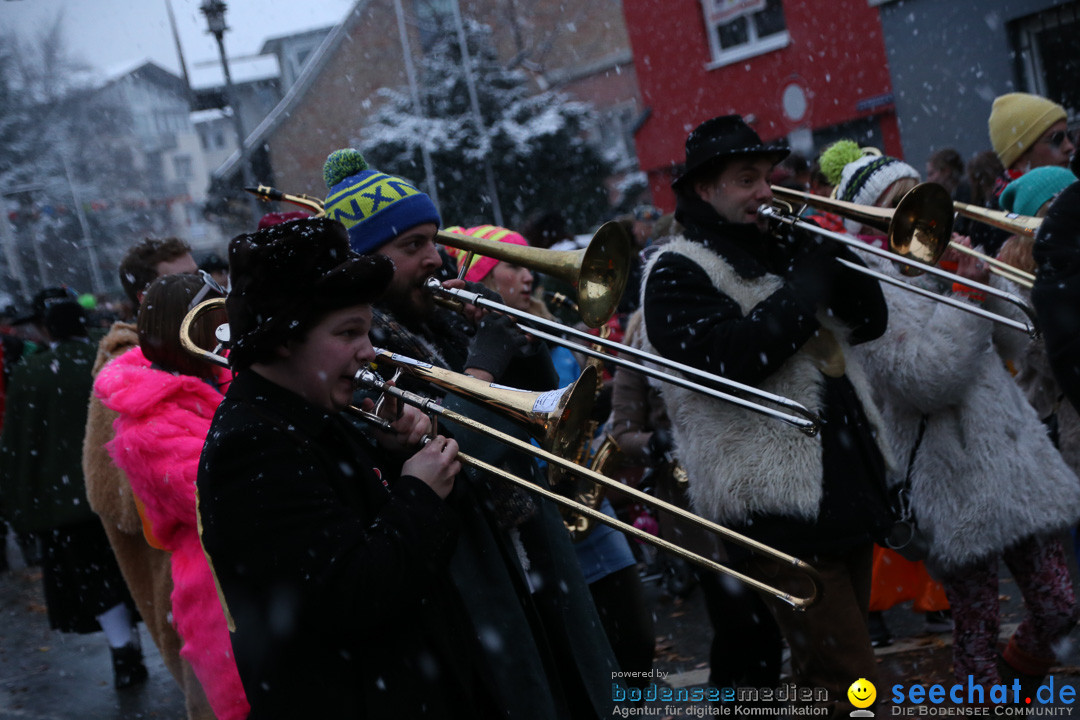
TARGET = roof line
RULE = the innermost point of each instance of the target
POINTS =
(297, 90)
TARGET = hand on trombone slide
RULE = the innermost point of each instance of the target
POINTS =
(436, 464)
(967, 266)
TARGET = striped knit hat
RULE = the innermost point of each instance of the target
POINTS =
(480, 265)
(373, 206)
(861, 175)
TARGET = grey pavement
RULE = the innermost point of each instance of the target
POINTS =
(49, 675)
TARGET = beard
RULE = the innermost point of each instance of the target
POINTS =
(411, 305)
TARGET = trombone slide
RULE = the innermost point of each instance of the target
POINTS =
(368, 378)
(529, 323)
(774, 214)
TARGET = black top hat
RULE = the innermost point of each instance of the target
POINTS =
(721, 138)
(289, 274)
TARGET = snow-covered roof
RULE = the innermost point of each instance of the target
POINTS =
(201, 116)
(298, 89)
(250, 68)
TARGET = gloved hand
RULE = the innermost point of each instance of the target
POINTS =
(495, 344)
(483, 291)
(814, 268)
(659, 446)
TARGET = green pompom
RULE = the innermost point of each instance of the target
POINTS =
(342, 164)
(836, 157)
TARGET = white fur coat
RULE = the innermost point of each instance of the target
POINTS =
(985, 475)
(745, 462)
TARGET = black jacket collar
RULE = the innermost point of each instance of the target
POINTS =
(278, 403)
(749, 251)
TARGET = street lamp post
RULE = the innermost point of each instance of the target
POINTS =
(214, 10)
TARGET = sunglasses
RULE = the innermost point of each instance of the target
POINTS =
(209, 285)
(1055, 140)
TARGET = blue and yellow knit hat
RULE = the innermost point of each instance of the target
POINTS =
(373, 206)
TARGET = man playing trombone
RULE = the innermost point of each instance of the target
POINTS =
(352, 573)
(515, 555)
(780, 315)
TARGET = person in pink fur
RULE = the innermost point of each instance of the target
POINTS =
(166, 399)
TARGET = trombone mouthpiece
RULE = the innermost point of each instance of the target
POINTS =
(265, 192)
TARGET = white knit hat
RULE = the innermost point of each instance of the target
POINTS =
(864, 180)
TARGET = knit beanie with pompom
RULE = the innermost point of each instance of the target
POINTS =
(373, 206)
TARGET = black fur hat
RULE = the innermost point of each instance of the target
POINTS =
(285, 278)
(722, 138)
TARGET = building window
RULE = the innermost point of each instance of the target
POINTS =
(741, 29)
(1048, 54)
(182, 166)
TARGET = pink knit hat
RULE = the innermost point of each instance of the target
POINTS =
(481, 265)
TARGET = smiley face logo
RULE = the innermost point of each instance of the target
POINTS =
(862, 693)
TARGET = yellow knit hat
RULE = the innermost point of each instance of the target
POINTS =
(1017, 120)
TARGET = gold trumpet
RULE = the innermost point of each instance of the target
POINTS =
(919, 231)
(552, 419)
(598, 272)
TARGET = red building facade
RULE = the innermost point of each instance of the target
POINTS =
(812, 71)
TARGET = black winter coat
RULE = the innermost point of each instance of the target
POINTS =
(1056, 293)
(333, 568)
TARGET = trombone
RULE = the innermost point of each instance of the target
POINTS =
(552, 417)
(919, 231)
(1010, 222)
(368, 378)
(598, 272)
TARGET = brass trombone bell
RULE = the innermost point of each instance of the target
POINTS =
(920, 227)
(598, 272)
(557, 419)
(915, 226)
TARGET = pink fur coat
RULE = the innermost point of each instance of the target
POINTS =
(162, 425)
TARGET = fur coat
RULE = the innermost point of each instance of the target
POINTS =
(986, 474)
(755, 464)
(161, 426)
